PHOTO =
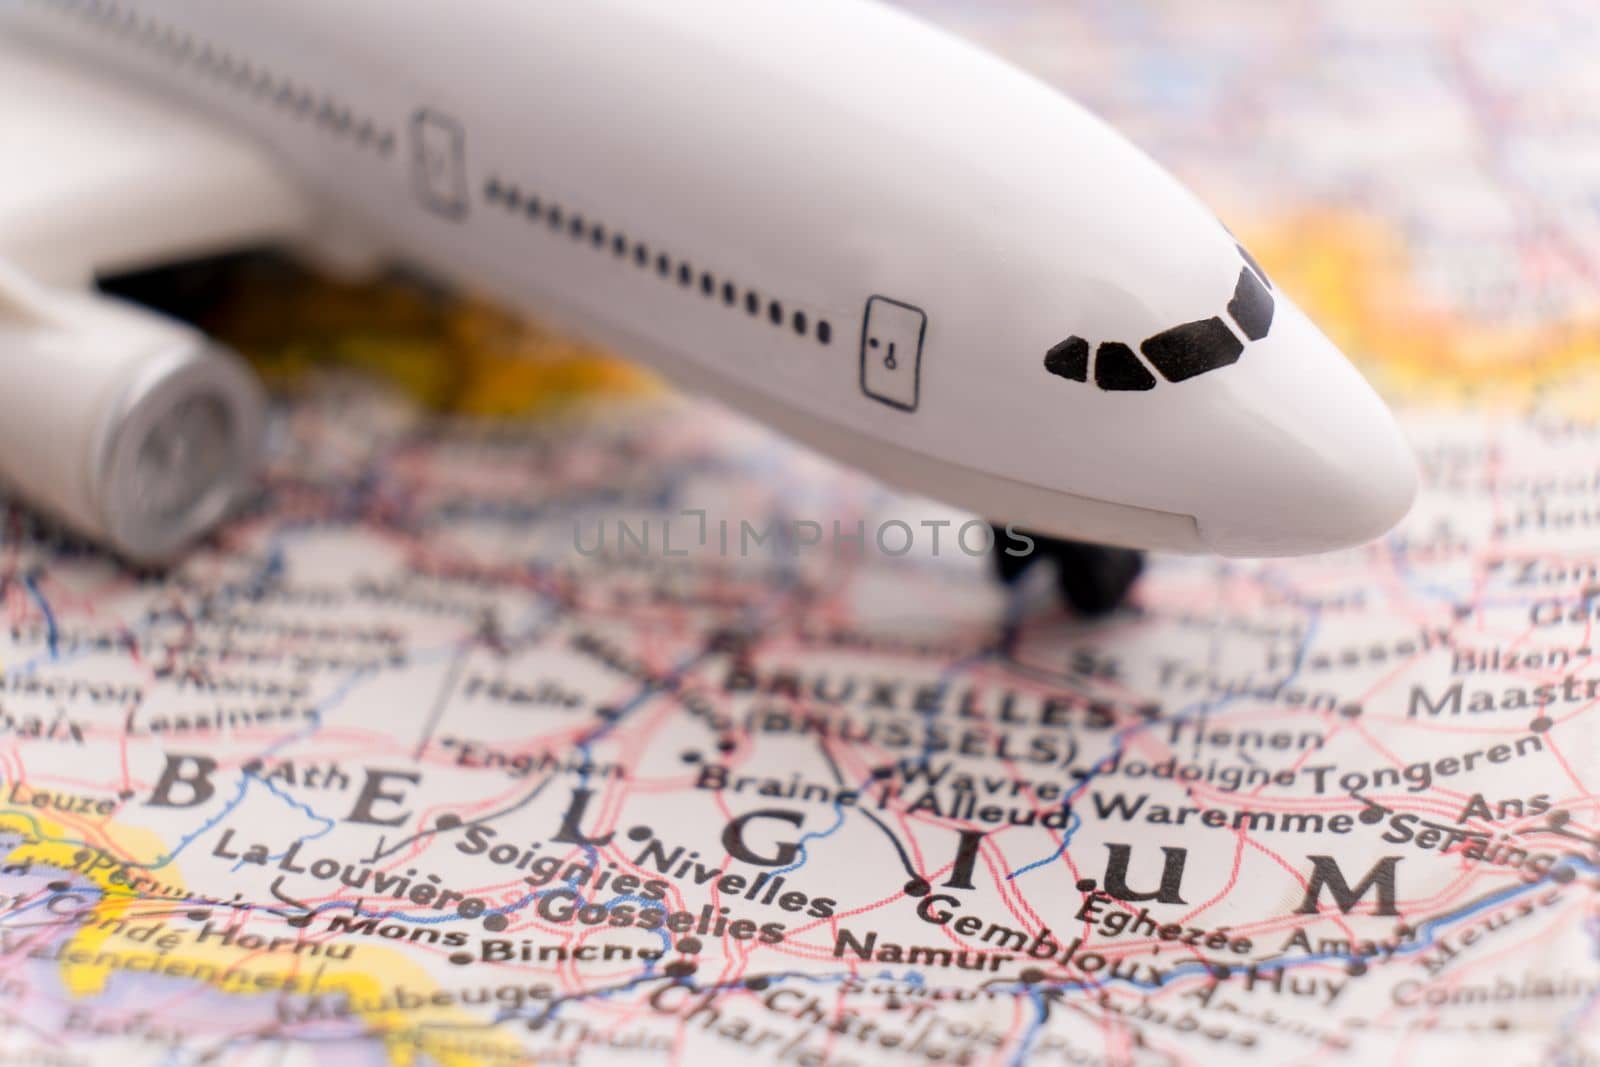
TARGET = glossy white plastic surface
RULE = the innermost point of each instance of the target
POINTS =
(828, 213)
(97, 178)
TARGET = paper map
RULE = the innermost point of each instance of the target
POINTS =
(498, 742)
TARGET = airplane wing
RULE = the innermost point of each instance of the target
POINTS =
(131, 428)
(96, 179)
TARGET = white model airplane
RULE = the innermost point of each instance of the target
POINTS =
(864, 231)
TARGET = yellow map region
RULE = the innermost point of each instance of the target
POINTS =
(445, 352)
(100, 947)
(1353, 275)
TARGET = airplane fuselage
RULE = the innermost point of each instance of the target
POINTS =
(859, 228)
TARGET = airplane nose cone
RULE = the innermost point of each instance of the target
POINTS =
(1315, 461)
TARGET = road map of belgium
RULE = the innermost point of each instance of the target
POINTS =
(625, 732)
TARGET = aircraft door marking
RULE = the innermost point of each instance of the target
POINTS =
(891, 353)
(439, 163)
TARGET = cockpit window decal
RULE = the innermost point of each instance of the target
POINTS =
(1251, 306)
(1069, 359)
(1117, 369)
(1193, 348)
(1180, 353)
